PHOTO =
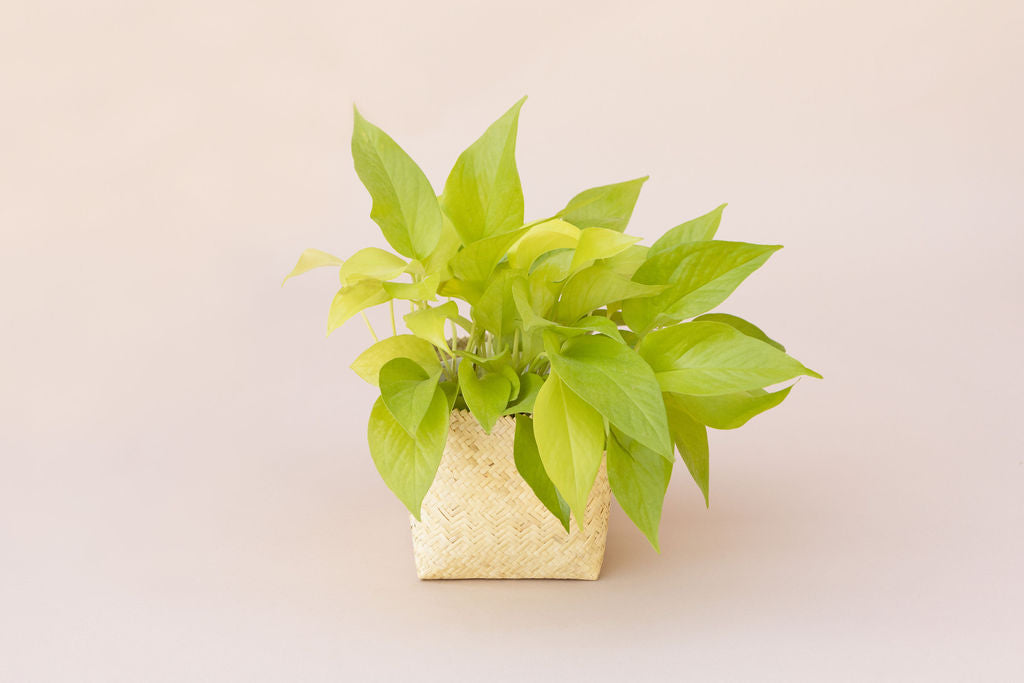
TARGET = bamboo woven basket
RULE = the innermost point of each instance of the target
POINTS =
(481, 520)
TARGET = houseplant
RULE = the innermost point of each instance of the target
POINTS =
(543, 345)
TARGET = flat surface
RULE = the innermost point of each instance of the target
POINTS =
(186, 494)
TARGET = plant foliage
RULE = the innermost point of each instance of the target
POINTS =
(598, 346)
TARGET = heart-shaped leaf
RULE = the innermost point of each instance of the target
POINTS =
(531, 469)
(485, 396)
(407, 391)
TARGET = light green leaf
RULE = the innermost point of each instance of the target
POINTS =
(486, 396)
(607, 206)
(492, 363)
(408, 465)
(404, 205)
(407, 390)
(691, 439)
(515, 382)
(451, 392)
(371, 263)
(477, 261)
(531, 469)
(570, 439)
(747, 328)
(310, 259)
(495, 310)
(352, 299)
(370, 361)
(599, 243)
(698, 230)
(470, 292)
(711, 358)
(447, 246)
(483, 195)
(618, 383)
(596, 286)
(542, 238)
(701, 274)
(628, 261)
(424, 290)
(729, 411)
(428, 323)
(639, 479)
(529, 387)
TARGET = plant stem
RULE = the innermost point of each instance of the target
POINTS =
(369, 326)
(391, 307)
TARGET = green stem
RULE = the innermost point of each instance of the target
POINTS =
(369, 326)
(391, 307)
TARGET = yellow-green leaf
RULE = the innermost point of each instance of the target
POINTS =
(607, 206)
(428, 323)
(639, 478)
(371, 263)
(531, 469)
(596, 286)
(424, 290)
(404, 205)
(747, 328)
(729, 411)
(595, 243)
(370, 361)
(354, 298)
(542, 238)
(407, 390)
(698, 230)
(570, 439)
(486, 397)
(691, 440)
(310, 259)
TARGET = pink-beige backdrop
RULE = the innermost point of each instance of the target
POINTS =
(186, 493)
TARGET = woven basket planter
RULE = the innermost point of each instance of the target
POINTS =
(480, 520)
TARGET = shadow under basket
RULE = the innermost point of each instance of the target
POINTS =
(481, 520)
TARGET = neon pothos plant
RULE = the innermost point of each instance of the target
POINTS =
(594, 343)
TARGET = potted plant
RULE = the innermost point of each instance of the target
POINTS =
(544, 365)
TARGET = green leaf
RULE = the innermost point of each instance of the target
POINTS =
(639, 479)
(428, 323)
(451, 392)
(701, 274)
(447, 246)
(599, 243)
(570, 439)
(371, 263)
(529, 387)
(531, 469)
(596, 286)
(628, 261)
(370, 361)
(406, 464)
(404, 205)
(729, 411)
(607, 206)
(477, 261)
(747, 328)
(486, 396)
(711, 358)
(310, 259)
(698, 230)
(424, 290)
(483, 195)
(540, 239)
(691, 439)
(470, 292)
(407, 390)
(618, 383)
(495, 310)
(352, 299)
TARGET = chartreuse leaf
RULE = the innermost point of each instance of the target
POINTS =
(370, 361)
(596, 286)
(407, 464)
(529, 387)
(483, 195)
(607, 206)
(404, 205)
(486, 397)
(595, 243)
(747, 328)
(424, 290)
(509, 373)
(711, 358)
(691, 440)
(495, 310)
(371, 263)
(531, 469)
(407, 390)
(697, 230)
(618, 383)
(354, 298)
(310, 259)
(447, 246)
(477, 261)
(701, 274)
(639, 478)
(428, 323)
(470, 292)
(570, 439)
(729, 411)
(540, 239)
(628, 261)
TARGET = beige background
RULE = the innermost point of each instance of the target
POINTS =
(186, 493)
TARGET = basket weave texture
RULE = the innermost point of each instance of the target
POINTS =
(481, 520)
